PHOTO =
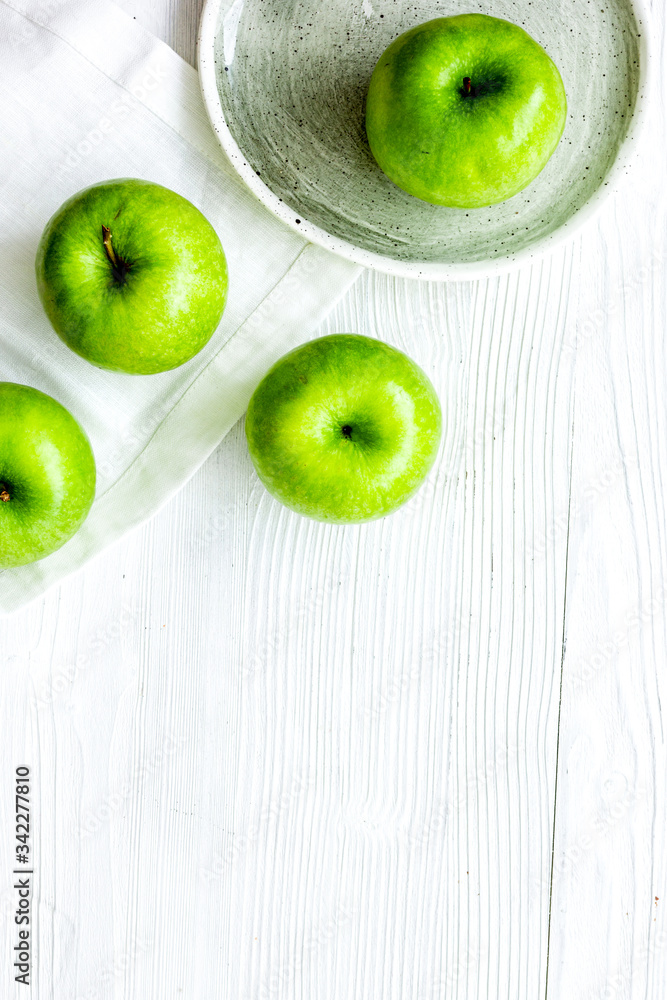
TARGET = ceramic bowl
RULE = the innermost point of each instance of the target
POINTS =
(284, 83)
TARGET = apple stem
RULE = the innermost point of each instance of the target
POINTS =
(119, 267)
(346, 431)
(5, 495)
(467, 84)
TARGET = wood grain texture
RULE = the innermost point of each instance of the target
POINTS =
(609, 938)
(309, 760)
(275, 759)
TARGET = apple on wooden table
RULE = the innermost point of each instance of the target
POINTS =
(464, 111)
(132, 276)
(344, 428)
(47, 475)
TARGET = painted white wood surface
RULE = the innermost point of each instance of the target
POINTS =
(274, 759)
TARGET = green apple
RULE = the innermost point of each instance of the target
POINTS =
(132, 276)
(47, 475)
(464, 111)
(343, 429)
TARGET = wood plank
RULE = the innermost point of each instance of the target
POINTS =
(608, 931)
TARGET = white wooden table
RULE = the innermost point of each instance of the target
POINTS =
(420, 759)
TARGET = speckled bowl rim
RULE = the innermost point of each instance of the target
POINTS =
(427, 270)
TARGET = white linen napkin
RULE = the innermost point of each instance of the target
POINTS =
(87, 95)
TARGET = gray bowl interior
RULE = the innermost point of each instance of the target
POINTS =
(292, 77)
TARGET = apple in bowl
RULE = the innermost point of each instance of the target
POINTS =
(344, 429)
(464, 111)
